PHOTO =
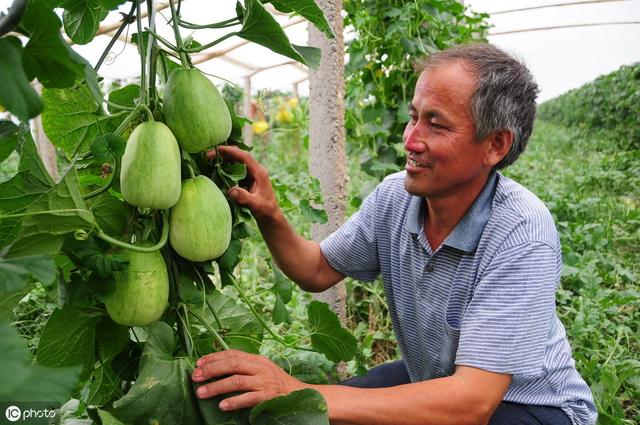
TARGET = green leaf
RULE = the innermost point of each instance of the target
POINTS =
(236, 319)
(16, 94)
(282, 285)
(280, 313)
(162, 392)
(15, 360)
(110, 4)
(106, 418)
(68, 339)
(81, 20)
(233, 171)
(9, 300)
(125, 96)
(110, 214)
(312, 55)
(31, 182)
(329, 337)
(307, 9)
(108, 148)
(306, 368)
(302, 407)
(260, 27)
(8, 137)
(231, 257)
(71, 119)
(57, 212)
(112, 339)
(54, 385)
(36, 244)
(283, 290)
(105, 386)
(312, 214)
(16, 272)
(90, 255)
(211, 413)
(25, 382)
(47, 56)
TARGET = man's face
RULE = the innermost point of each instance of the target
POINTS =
(443, 157)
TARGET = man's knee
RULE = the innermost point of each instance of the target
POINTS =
(386, 375)
(509, 413)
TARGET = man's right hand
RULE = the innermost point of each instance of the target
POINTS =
(260, 198)
(301, 260)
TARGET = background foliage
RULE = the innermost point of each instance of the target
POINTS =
(388, 36)
(610, 102)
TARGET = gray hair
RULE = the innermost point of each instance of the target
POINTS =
(505, 93)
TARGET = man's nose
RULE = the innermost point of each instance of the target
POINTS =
(414, 139)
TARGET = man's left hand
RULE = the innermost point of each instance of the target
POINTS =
(256, 377)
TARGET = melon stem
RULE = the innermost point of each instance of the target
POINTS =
(146, 249)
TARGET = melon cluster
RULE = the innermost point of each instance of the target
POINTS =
(196, 119)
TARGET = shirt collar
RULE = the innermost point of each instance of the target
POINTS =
(467, 233)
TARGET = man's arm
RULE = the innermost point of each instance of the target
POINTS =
(300, 259)
(468, 397)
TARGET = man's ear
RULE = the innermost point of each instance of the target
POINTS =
(498, 146)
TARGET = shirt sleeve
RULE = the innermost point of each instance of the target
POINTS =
(506, 326)
(352, 249)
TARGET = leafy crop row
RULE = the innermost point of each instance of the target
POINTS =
(611, 102)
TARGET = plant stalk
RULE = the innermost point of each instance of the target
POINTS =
(162, 242)
(213, 43)
(147, 110)
(176, 30)
(125, 21)
(162, 40)
(152, 52)
(216, 25)
(104, 187)
(132, 115)
(244, 298)
(215, 333)
(141, 49)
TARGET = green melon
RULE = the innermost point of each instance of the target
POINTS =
(150, 174)
(200, 223)
(195, 111)
(142, 290)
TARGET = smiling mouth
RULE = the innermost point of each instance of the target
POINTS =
(413, 163)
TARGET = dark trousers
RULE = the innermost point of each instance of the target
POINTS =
(507, 413)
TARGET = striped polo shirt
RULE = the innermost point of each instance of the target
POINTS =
(485, 298)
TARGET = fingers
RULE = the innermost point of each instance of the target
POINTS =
(244, 401)
(240, 195)
(231, 384)
(224, 363)
(255, 376)
(236, 154)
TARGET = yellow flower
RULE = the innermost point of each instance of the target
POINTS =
(260, 126)
(2, 109)
(293, 102)
(284, 116)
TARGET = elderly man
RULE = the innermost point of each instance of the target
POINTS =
(469, 258)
